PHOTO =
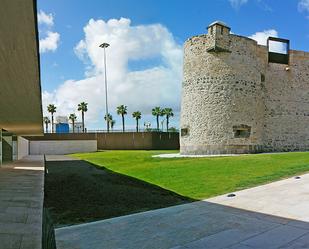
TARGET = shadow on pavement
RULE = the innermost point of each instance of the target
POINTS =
(78, 191)
(197, 225)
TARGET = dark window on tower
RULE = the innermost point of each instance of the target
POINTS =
(184, 132)
(262, 77)
(241, 131)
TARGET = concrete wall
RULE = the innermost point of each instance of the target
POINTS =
(22, 147)
(7, 148)
(138, 141)
(235, 89)
(62, 147)
(0, 146)
(15, 149)
(119, 140)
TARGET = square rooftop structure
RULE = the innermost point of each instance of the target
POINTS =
(218, 32)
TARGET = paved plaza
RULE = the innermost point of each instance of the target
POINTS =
(272, 216)
(21, 203)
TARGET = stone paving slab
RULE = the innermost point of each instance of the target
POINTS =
(287, 198)
(270, 216)
(21, 203)
(275, 238)
(196, 225)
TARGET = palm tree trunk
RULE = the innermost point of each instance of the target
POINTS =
(137, 125)
(73, 123)
(158, 128)
(83, 121)
(108, 123)
(52, 123)
(122, 123)
(167, 122)
(46, 127)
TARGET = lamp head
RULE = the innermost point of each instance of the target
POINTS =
(104, 45)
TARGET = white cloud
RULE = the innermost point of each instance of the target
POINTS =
(157, 85)
(237, 3)
(44, 18)
(303, 5)
(261, 38)
(50, 42)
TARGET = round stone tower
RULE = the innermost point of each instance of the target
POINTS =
(222, 106)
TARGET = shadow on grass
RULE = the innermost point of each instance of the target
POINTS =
(78, 191)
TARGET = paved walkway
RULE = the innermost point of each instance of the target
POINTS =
(270, 216)
(21, 203)
(178, 155)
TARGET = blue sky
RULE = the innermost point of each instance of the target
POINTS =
(152, 33)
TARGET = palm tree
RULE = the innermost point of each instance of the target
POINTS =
(157, 111)
(122, 110)
(137, 115)
(108, 118)
(51, 108)
(113, 122)
(46, 122)
(168, 112)
(73, 118)
(83, 107)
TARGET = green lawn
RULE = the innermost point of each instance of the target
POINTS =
(199, 178)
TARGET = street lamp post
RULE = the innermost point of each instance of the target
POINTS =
(104, 46)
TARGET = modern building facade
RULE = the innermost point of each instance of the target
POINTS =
(241, 97)
(20, 95)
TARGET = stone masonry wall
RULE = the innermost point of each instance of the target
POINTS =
(287, 105)
(235, 102)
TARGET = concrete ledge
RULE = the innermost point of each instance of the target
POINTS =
(62, 147)
(178, 155)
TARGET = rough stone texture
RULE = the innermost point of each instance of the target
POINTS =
(230, 90)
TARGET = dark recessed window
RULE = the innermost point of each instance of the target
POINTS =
(241, 131)
(262, 77)
(184, 132)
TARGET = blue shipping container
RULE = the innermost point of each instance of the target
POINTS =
(62, 128)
